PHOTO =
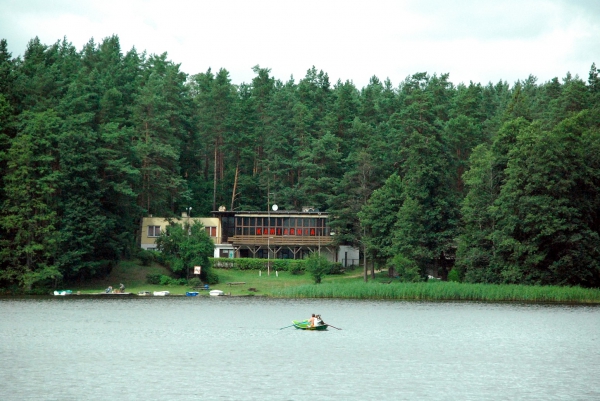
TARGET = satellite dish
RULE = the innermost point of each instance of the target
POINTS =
(274, 207)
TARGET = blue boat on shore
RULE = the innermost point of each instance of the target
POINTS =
(191, 294)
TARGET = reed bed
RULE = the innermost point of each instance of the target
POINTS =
(443, 291)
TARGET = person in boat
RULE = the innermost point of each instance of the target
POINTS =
(108, 290)
(311, 321)
(318, 321)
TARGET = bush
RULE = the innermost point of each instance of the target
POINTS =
(212, 277)
(317, 266)
(453, 275)
(194, 282)
(297, 267)
(146, 257)
(153, 278)
(290, 265)
(407, 269)
(161, 259)
(161, 279)
(336, 268)
(222, 263)
(281, 265)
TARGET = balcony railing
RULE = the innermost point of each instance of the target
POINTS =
(290, 240)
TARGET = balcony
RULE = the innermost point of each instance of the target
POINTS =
(284, 240)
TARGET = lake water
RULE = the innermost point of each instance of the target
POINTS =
(233, 348)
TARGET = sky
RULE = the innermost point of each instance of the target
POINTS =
(472, 40)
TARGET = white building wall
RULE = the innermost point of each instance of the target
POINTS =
(348, 256)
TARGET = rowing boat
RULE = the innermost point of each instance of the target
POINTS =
(305, 325)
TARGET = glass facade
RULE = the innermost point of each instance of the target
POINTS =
(282, 226)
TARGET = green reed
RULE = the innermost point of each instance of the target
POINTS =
(443, 291)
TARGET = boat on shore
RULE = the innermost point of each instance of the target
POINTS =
(161, 293)
(63, 292)
(115, 293)
(192, 293)
(216, 293)
(305, 325)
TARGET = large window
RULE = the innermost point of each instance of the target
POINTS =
(153, 231)
(282, 226)
(211, 231)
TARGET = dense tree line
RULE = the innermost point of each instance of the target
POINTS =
(502, 182)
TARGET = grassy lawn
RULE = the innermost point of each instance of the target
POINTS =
(133, 275)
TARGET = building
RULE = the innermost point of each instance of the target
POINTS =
(277, 234)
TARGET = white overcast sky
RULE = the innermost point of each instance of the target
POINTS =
(473, 40)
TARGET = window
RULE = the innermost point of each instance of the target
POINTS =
(211, 231)
(153, 231)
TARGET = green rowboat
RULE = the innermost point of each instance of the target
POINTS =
(305, 325)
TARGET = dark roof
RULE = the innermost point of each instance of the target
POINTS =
(271, 212)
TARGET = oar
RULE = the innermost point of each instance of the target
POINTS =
(331, 326)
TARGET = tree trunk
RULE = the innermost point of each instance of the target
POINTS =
(237, 169)
(366, 269)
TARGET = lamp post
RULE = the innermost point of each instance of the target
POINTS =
(319, 231)
(189, 212)
(268, 233)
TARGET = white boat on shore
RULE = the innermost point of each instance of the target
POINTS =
(161, 293)
(216, 293)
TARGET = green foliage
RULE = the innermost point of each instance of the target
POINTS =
(297, 267)
(166, 280)
(407, 270)
(186, 246)
(546, 233)
(317, 266)
(161, 279)
(194, 282)
(444, 291)
(146, 257)
(153, 278)
(336, 268)
(291, 265)
(454, 275)
(505, 176)
(281, 265)
(212, 277)
(379, 216)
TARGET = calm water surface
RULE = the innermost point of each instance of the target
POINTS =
(209, 348)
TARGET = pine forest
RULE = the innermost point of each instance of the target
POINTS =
(497, 181)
